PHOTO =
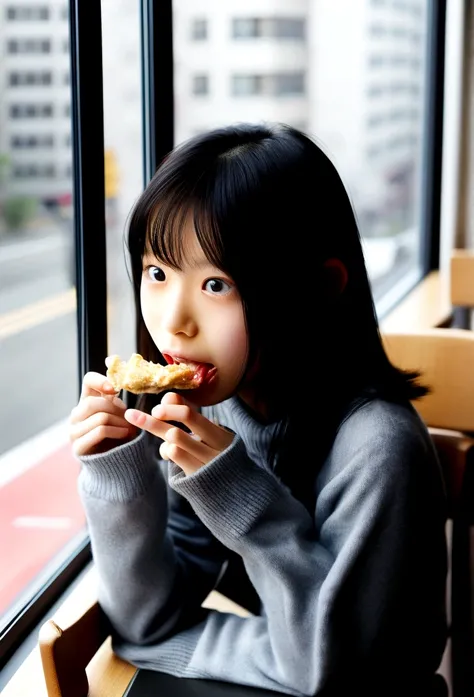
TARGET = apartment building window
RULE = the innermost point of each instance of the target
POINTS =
(399, 87)
(399, 59)
(278, 84)
(20, 142)
(288, 83)
(245, 85)
(270, 27)
(377, 60)
(375, 90)
(375, 120)
(30, 78)
(400, 32)
(378, 30)
(26, 12)
(33, 171)
(199, 29)
(399, 115)
(29, 46)
(30, 111)
(200, 85)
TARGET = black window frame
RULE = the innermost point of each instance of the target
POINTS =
(90, 226)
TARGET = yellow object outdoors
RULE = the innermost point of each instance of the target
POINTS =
(111, 174)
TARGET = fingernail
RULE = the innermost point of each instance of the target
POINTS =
(119, 403)
(107, 387)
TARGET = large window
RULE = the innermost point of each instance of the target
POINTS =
(40, 512)
(42, 524)
(358, 85)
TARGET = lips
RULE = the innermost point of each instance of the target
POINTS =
(204, 372)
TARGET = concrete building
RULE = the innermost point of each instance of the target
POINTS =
(35, 123)
(349, 73)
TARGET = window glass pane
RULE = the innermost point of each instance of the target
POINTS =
(123, 159)
(357, 86)
(40, 512)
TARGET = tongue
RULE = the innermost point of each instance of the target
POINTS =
(201, 371)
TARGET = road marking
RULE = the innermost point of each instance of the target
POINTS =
(28, 454)
(36, 313)
(27, 248)
(42, 522)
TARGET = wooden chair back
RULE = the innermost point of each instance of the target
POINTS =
(462, 278)
(445, 357)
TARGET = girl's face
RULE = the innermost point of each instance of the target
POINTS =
(196, 314)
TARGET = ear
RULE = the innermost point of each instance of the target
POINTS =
(335, 277)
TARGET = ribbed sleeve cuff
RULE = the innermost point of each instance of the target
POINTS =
(121, 474)
(173, 656)
(228, 494)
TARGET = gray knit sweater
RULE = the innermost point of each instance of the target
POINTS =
(351, 593)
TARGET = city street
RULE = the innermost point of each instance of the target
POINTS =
(38, 345)
(38, 330)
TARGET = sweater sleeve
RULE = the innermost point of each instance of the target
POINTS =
(355, 589)
(156, 560)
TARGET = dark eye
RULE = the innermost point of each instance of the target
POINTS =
(156, 274)
(217, 286)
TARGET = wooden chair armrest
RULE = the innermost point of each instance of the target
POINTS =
(66, 651)
(426, 306)
(452, 448)
(462, 277)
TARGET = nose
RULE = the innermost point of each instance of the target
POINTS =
(178, 316)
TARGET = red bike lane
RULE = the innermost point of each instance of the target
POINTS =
(40, 511)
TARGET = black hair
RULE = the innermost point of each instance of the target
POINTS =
(269, 209)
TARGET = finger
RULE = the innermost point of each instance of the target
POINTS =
(183, 459)
(173, 398)
(92, 405)
(187, 442)
(214, 435)
(99, 419)
(95, 384)
(146, 422)
(88, 443)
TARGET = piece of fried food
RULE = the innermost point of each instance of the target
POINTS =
(138, 375)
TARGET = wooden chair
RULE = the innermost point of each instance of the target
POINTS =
(461, 284)
(76, 640)
(446, 359)
(76, 651)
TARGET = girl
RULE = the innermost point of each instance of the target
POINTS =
(297, 478)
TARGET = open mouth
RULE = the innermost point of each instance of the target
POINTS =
(203, 372)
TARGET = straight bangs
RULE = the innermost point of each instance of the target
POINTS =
(165, 230)
(164, 211)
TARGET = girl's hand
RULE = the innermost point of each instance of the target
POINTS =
(97, 423)
(190, 451)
